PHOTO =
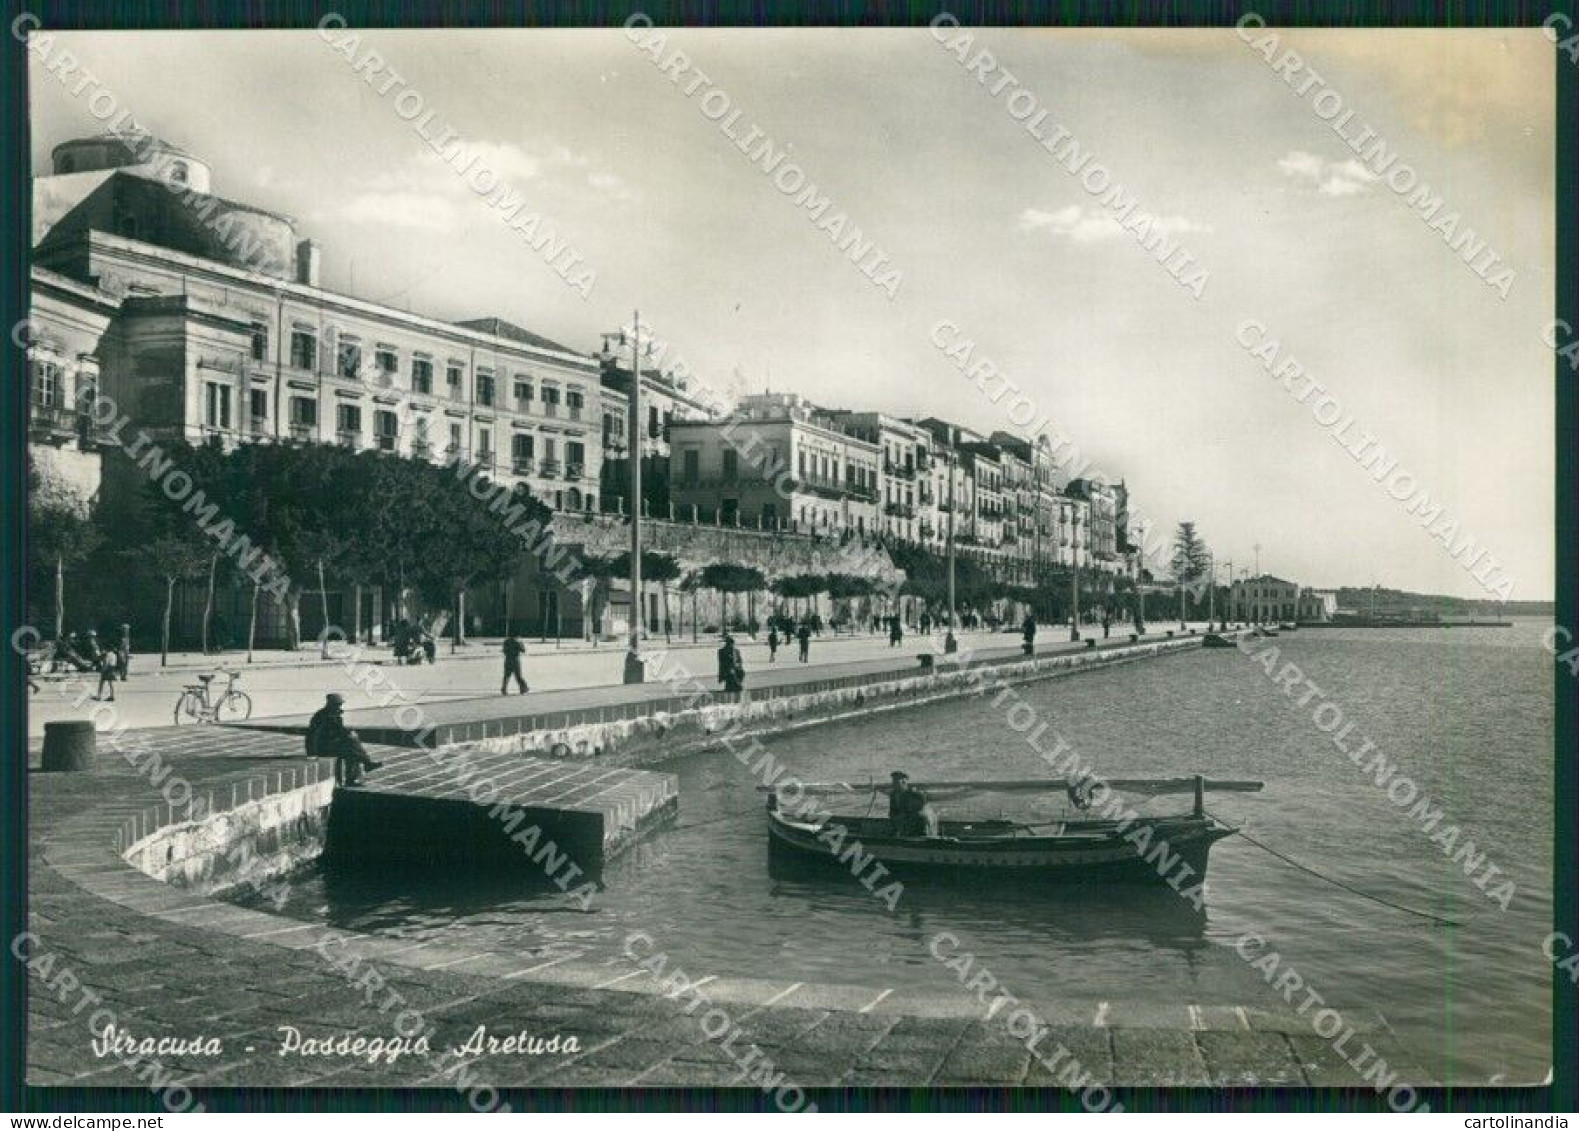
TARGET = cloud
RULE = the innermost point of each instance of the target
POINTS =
(1082, 225)
(1330, 178)
(422, 210)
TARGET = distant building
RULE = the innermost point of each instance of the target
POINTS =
(67, 341)
(1263, 599)
(778, 463)
(1102, 540)
(1317, 605)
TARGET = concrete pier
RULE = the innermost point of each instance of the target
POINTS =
(496, 810)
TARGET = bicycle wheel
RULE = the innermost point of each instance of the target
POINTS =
(188, 708)
(235, 707)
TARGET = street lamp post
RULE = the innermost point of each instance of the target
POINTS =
(1074, 574)
(635, 668)
(950, 644)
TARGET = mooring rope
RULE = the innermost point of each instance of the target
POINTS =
(1346, 887)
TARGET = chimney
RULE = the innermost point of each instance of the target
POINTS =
(307, 261)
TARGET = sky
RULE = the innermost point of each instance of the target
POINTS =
(985, 230)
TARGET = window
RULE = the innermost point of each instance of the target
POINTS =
(421, 375)
(575, 401)
(419, 436)
(304, 412)
(455, 438)
(258, 409)
(550, 400)
(46, 384)
(349, 359)
(692, 467)
(731, 465)
(348, 421)
(386, 430)
(484, 387)
(216, 401)
(575, 457)
(523, 391)
(454, 377)
(484, 445)
(654, 428)
(386, 360)
(522, 451)
(304, 350)
(260, 342)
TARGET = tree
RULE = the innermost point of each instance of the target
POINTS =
(60, 534)
(1191, 562)
(730, 577)
(655, 567)
(174, 557)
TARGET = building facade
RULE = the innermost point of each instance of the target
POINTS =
(1263, 599)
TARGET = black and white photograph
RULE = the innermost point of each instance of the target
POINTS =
(780, 561)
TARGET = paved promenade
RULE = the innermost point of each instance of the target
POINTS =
(294, 683)
(172, 963)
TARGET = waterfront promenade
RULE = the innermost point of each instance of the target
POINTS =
(166, 961)
(294, 683)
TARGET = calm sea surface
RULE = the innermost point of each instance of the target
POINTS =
(1466, 713)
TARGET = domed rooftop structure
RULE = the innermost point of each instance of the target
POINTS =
(146, 154)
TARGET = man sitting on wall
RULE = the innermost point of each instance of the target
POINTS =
(329, 737)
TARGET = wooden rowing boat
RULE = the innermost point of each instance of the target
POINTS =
(1083, 848)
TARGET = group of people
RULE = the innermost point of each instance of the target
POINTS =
(85, 653)
(801, 634)
(413, 644)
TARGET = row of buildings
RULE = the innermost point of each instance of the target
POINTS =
(202, 316)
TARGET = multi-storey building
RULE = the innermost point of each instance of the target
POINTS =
(204, 318)
(904, 497)
(1103, 526)
(777, 462)
(66, 339)
(986, 527)
(665, 399)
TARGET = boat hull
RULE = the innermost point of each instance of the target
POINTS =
(1090, 852)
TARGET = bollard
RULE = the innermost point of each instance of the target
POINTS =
(1029, 649)
(1170, 634)
(1091, 643)
(1134, 637)
(69, 746)
(926, 661)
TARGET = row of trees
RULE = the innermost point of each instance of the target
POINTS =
(317, 511)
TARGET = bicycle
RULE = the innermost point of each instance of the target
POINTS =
(195, 706)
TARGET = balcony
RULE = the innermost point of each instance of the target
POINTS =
(302, 432)
(421, 449)
(55, 422)
(899, 510)
(522, 465)
(573, 412)
(575, 471)
(898, 470)
(549, 468)
(388, 442)
(348, 439)
(258, 425)
(550, 409)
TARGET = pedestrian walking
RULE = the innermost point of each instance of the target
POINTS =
(329, 737)
(803, 637)
(513, 650)
(109, 671)
(124, 649)
(773, 644)
(731, 666)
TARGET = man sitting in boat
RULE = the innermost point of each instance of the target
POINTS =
(909, 811)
